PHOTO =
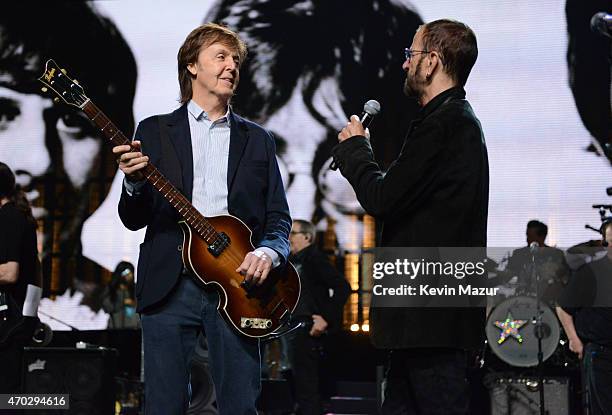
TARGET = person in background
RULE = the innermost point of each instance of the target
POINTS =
(58, 155)
(19, 266)
(585, 311)
(551, 266)
(318, 309)
(119, 299)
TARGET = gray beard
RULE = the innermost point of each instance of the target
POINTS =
(414, 87)
(410, 90)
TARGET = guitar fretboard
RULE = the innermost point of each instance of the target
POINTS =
(184, 207)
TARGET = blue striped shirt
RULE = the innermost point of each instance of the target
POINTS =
(210, 141)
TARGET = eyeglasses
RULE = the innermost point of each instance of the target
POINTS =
(409, 53)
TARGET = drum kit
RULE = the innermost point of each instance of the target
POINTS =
(524, 311)
(523, 332)
(522, 329)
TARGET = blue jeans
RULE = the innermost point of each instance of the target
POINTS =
(170, 332)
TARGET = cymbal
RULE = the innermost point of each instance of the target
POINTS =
(491, 264)
(589, 247)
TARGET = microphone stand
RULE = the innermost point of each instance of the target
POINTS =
(539, 331)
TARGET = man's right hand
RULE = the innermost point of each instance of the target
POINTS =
(131, 161)
(319, 325)
(353, 128)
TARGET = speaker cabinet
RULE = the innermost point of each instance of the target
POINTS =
(87, 375)
(521, 395)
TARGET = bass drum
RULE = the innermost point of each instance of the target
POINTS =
(522, 353)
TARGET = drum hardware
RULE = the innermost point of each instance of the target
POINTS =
(591, 228)
(602, 209)
(591, 250)
(539, 327)
(605, 221)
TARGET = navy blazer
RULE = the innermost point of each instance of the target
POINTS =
(255, 195)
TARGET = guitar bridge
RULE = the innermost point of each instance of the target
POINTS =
(255, 323)
(221, 242)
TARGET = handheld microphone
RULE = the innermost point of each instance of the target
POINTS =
(602, 23)
(533, 247)
(370, 109)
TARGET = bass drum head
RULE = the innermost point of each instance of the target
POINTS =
(522, 353)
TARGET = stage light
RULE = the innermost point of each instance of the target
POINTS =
(354, 327)
(365, 327)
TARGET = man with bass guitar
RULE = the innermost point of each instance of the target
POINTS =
(224, 164)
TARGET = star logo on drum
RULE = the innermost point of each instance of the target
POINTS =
(509, 327)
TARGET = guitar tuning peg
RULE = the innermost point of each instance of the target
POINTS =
(75, 81)
(44, 89)
(56, 100)
(64, 71)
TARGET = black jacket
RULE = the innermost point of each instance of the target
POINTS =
(256, 196)
(317, 276)
(435, 194)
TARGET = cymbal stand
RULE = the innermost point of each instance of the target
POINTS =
(539, 330)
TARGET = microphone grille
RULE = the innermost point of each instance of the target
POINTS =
(372, 107)
(598, 22)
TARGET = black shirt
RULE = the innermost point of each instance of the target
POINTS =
(588, 298)
(18, 244)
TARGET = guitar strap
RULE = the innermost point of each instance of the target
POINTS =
(169, 162)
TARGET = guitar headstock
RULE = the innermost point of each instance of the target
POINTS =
(64, 87)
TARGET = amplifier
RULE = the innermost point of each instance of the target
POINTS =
(87, 375)
(521, 395)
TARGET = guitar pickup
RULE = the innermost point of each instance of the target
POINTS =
(221, 242)
(255, 323)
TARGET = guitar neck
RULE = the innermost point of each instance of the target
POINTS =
(184, 207)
